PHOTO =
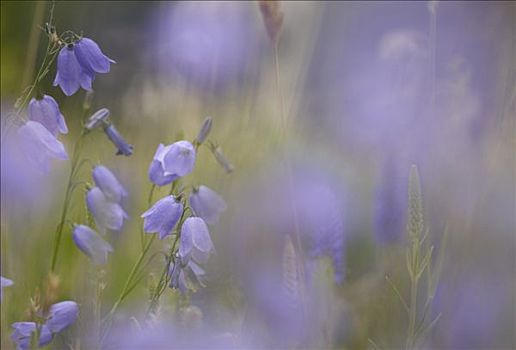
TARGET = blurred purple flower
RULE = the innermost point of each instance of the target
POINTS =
(40, 145)
(70, 74)
(171, 162)
(107, 214)
(186, 275)
(162, 216)
(46, 111)
(61, 315)
(91, 57)
(123, 147)
(91, 244)
(195, 240)
(22, 335)
(4, 282)
(97, 119)
(390, 203)
(207, 204)
(109, 184)
(208, 43)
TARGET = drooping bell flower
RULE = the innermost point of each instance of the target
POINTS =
(4, 282)
(70, 74)
(207, 204)
(195, 240)
(162, 216)
(97, 119)
(22, 335)
(40, 146)
(46, 111)
(107, 214)
(77, 64)
(91, 244)
(121, 144)
(91, 57)
(172, 161)
(109, 184)
(61, 315)
(186, 275)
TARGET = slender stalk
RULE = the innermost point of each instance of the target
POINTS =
(284, 126)
(412, 313)
(68, 194)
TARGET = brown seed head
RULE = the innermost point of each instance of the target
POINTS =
(272, 17)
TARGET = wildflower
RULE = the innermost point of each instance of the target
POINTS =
(162, 216)
(4, 282)
(91, 57)
(22, 335)
(40, 145)
(97, 119)
(205, 130)
(107, 214)
(91, 244)
(186, 275)
(171, 162)
(122, 145)
(108, 184)
(207, 204)
(46, 112)
(195, 240)
(70, 74)
(77, 64)
(62, 315)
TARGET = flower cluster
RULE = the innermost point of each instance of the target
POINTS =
(60, 316)
(169, 164)
(77, 64)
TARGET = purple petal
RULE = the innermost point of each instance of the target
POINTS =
(195, 228)
(162, 216)
(68, 71)
(91, 244)
(180, 159)
(62, 315)
(107, 215)
(46, 112)
(109, 184)
(207, 204)
(91, 57)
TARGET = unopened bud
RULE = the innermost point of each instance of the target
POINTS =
(272, 17)
(205, 130)
(97, 119)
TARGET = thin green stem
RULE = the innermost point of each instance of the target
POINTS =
(68, 194)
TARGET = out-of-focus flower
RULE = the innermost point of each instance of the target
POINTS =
(109, 184)
(121, 144)
(171, 162)
(4, 282)
(207, 204)
(61, 315)
(91, 244)
(186, 275)
(22, 335)
(162, 216)
(205, 130)
(221, 159)
(208, 43)
(77, 64)
(91, 57)
(195, 240)
(70, 74)
(107, 214)
(97, 119)
(46, 111)
(40, 145)
(390, 203)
